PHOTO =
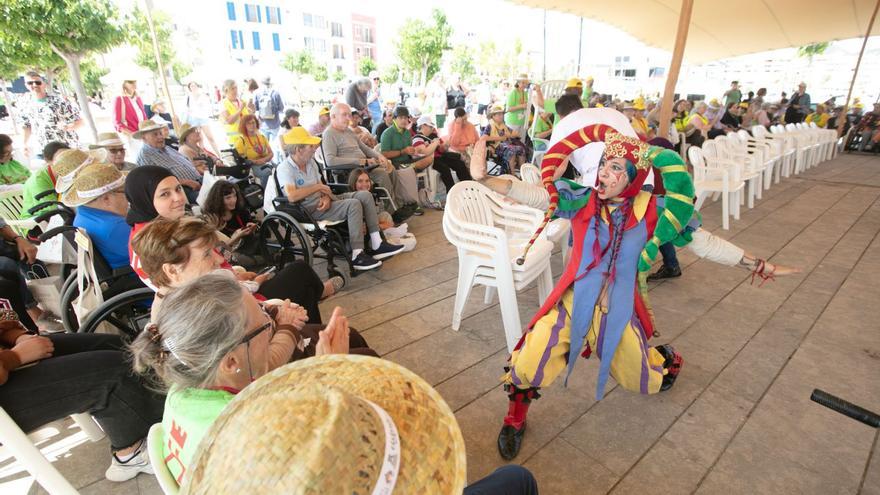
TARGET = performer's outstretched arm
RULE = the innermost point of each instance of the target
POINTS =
(713, 248)
(510, 187)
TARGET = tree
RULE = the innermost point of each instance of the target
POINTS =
(72, 29)
(338, 76)
(301, 62)
(390, 74)
(91, 73)
(138, 34)
(463, 61)
(420, 46)
(811, 50)
(366, 65)
(18, 54)
(320, 73)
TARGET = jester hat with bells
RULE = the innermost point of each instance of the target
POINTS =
(678, 209)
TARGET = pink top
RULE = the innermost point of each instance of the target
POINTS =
(128, 119)
(462, 135)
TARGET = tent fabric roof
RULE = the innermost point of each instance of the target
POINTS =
(725, 29)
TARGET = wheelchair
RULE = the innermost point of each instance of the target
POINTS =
(119, 300)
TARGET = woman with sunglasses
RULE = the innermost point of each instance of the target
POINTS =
(204, 354)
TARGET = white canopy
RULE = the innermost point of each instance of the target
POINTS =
(721, 29)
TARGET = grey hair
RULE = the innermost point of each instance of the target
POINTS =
(197, 325)
(228, 84)
(290, 149)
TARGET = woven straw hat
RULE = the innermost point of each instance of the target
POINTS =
(107, 140)
(185, 131)
(68, 162)
(496, 109)
(91, 182)
(146, 126)
(316, 426)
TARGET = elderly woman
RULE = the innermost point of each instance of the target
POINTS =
(154, 192)
(356, 95)
(503, 140)
(192, 146)
(206, 353)
(254, 146)
(232, 109)
(697, 125)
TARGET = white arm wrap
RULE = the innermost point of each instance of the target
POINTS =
(705, 245)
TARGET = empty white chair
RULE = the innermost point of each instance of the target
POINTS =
(559, 229)
(731, 149)
(716, 177)
(21, 446)
(779, 150)
(490, 235)
(157, 459)
(795, 142)
(768, 157)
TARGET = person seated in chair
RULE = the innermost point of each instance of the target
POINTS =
(427, 142)
(156, 152)
(98, 194)
(299, 179)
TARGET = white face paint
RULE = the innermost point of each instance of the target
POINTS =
(613, 178)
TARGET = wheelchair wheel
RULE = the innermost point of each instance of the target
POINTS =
(69, 293)
(125, 312)
(283, 240)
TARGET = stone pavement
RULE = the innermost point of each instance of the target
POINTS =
(739, 418)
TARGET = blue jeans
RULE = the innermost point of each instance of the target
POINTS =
(512, 479)
(670, 260)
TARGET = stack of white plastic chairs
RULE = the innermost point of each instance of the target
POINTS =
(716, 176)
(732, 149)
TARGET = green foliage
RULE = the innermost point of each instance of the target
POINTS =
(813, 49)
(338, 76)
(463, 61)
(19, 54)
(91, 75)
(301, 62)
(503, 63)
(390, 73)
(138, 34)
(366, 65)
(320, 73)
(420, 45)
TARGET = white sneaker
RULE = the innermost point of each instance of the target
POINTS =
(123, 471)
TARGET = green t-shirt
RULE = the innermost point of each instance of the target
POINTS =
(38, 182)
(733, 97)
(516, 117)
(396, 139)
(188, 415)
(541, 126)
(13, 172)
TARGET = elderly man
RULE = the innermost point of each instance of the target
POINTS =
(299, 179)
(869, 129)
(49, 116)
(155, 152)
(343, 149)
(356, 95)
(798, 105)
(111, 142)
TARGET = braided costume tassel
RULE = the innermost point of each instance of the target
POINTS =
(551, 162)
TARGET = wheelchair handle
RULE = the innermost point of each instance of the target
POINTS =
(62, 210)
(44, 194)
(846, 408)
(53, 232)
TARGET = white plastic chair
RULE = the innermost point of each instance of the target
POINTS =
(730, 148)
(490, 235)
(718, 178)
(795, 142)
(21, 446)
(769, 160)
(779, 150)
(11, 206)
(157, 459)
(558, 230)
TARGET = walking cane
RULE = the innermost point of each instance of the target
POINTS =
(855, 412)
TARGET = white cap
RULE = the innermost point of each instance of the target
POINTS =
(425, 119)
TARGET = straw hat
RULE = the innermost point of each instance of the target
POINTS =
(186, 130)
(327, 425)
(68, 162)
(146, 126)
(107, 140)
(496, 109)
(299, 135)
(91, 182)
(522, 77)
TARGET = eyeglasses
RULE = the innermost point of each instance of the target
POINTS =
(257, 331)
(35, 83)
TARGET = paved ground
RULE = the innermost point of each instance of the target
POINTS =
(738, 420)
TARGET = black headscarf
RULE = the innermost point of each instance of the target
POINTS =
(140, 186)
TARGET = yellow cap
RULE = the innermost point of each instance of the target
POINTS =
(574, 83)
(299, 135)
(639, 103)
(589, 78)
(714, 102)
(324, 111)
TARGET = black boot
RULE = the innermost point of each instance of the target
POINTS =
(665, 272)
(672, 362)
(511, 435)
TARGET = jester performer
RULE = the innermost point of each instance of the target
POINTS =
(598, 302)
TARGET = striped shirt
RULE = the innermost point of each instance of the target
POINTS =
(167, 157)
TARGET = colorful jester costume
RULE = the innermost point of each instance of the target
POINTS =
(597, 305)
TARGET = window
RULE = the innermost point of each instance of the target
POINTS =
(336, 29)
(316, 45)
(367, 52)
(256, 40)
(307, 20)
(657, 72)
(230, 10)
(338, 52)
(237, 39)
(276, 42)
(320, 22)
(273, 15)
(368, 35)
(251, 13)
